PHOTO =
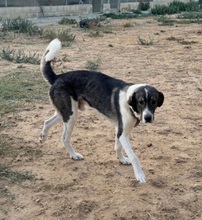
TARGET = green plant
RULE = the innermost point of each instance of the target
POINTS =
(181, 40)
(121, 15)
(143, 6)
(20, 25)
(3, 35)
(176, 7)
(16, 89)
(4, 192)
(165, 21)
(8, 35)
(13, 176)
(159, 10)
(6, 146)
(186, 42)
(172, 38)
(19, 56)
(145, 42)
(7, 149)
(58, 187)
(190, 15)
(67, 21)
(93, 64)
(64, 35)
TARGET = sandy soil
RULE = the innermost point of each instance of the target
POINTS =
(99, 187)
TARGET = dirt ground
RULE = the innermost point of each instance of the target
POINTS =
(99, 187)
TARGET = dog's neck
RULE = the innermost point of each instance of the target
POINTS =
(136, 118)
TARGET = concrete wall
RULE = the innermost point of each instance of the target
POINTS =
(124, 7)
(65, 10)
(47, 11)
(106, 8)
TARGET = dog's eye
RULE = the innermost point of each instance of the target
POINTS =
(153, 102)
(141, 102)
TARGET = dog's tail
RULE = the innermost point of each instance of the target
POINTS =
(49, 54)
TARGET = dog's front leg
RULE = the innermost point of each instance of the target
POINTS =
(139, 174)
(119, 155)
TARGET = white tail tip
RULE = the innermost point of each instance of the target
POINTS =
(52, 49)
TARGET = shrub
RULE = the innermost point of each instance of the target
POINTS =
(121, 15)
(13, 176)
(67, 21)
(64, 35)
(145, 42)
(165, 21)
(190, 15)
(20, 25)
(143, 6)
(93, 65)
(19, 56)
(176, 7)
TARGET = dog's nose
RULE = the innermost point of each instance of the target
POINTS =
(148, 118)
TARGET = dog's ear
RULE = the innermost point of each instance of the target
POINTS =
(161, 99)
(130, 101)
(133, 102)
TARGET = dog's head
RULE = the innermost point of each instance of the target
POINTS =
(143, 101)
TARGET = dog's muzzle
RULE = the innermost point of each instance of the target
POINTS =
(147, 117)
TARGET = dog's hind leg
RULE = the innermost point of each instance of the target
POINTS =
(68, 128)
(47, 125)
(119, 154)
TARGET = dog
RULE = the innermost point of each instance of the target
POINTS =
(125, 104)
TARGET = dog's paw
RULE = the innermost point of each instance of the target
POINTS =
(76, 156)
(42, 138)
(124, 160)
(139, 174)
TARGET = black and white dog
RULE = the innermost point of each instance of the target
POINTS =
(126, 104)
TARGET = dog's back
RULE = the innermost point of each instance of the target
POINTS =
(95, 88)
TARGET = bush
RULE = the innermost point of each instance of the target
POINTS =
(67, 21)
(159, 10)
(19, 56)
(143, 6)
(190, 15)
(64, 35)
(20, 25)
(176, 7)
(165, 21)
(93, 64)
(144, 42)
(121, 15)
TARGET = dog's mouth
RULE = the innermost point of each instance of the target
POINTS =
(147, 118)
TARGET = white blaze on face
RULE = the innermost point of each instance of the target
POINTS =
(133, 89)
(146, 112)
